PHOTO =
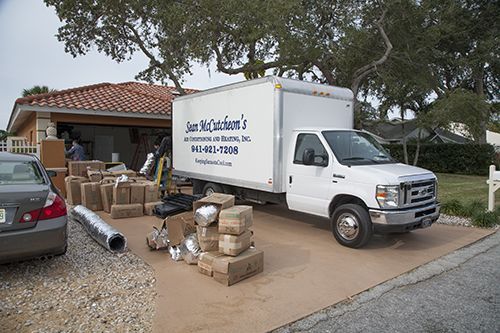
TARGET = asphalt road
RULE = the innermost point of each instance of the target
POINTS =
(459, 292)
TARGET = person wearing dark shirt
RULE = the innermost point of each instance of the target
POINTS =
(77, 153)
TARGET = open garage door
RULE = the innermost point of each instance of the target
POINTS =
(132, 143)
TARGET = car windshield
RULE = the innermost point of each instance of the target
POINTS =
(16, 173)
(357, 148)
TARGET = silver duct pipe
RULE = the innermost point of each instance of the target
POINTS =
(103, 233)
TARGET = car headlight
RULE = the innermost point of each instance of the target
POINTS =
(388, 196)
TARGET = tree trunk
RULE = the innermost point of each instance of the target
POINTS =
(479, 90)
(405, 148)
(417, 151)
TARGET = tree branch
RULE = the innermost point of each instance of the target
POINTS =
(364, 71)
(245, 68)
(155, 63)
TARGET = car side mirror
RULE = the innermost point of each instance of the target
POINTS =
(308, 156)
(51, 173)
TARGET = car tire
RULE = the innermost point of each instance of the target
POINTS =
(351, 225)
(211, 188)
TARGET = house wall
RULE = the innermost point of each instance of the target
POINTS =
(28, 128)
(108, 120)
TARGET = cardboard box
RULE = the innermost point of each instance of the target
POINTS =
(149, 206)
(138, 179)
(208, 238)
(79, 168)
(205, 261)
(121, 194)
(124, 211)
(98, 175)
(179, 226)
(107, 196)
(232, 245)
(229, 270)
(150, 192)
(91, 196)
(220, 200)
(73, 189)
(235, 220)
(108, 180)
(137, 193)
(94, 175)
(129, 173)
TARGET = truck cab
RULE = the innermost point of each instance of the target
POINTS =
(347, 176)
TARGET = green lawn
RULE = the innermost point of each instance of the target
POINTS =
(464, 188)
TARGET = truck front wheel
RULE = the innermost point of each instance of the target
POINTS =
(211, 188)
(351, 225)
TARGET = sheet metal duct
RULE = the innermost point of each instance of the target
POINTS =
(103, 233)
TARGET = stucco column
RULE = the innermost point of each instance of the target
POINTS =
(42, 121)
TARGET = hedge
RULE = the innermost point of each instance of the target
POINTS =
(468, 159)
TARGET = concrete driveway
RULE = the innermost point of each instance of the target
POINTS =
(305, 270)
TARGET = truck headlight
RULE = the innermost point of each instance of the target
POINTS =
(388, 196)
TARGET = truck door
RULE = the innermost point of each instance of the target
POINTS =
(309, 176)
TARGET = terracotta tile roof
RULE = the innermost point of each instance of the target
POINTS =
(130, 97)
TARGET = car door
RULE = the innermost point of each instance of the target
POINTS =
(309, 185)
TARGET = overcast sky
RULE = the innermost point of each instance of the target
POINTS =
(31, 55)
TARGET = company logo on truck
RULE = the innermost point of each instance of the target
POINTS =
(212, 125)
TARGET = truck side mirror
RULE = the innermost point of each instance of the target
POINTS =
(308, 156)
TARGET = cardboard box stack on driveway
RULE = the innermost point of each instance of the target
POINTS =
(120, 193)
(224, 248)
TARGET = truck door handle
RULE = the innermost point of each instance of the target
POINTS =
(290, 179)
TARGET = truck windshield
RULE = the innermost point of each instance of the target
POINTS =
(356, 148)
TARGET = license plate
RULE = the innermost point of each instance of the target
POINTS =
(426, 223)
(2, 215)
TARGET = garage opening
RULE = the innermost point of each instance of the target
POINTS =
(131, 143)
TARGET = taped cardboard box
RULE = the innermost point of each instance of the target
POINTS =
(205, 261)
(121, 193)
(235, 220)
(137, 193)
(73, 189)
(208, 238)
(79, 168)
(149, 206)
(230, 270)
(219, 200)
(179, 226)
(233, 245)
(150, 192)
(129, 173)
(107, 196)
(97, 175)
(91, 196)
(124, 211)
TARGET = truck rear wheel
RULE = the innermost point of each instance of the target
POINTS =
(351, 225)
(211, 188)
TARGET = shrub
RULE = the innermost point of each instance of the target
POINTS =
(474, 206)
(469, 159)
(453, 207)
(485, 219)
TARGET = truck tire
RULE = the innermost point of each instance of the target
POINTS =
(351, 225)
(211, 188)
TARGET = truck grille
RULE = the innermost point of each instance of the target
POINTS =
(418, 192)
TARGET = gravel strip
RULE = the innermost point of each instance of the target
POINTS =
(454, 220)
(86, 290)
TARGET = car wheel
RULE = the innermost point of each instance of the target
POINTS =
(351, 225)
(211, 188)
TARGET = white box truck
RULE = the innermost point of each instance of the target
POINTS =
(288, 141)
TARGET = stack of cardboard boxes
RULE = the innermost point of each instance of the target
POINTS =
(227, 255)
(98, 190)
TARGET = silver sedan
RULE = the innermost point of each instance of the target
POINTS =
(33, 216)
